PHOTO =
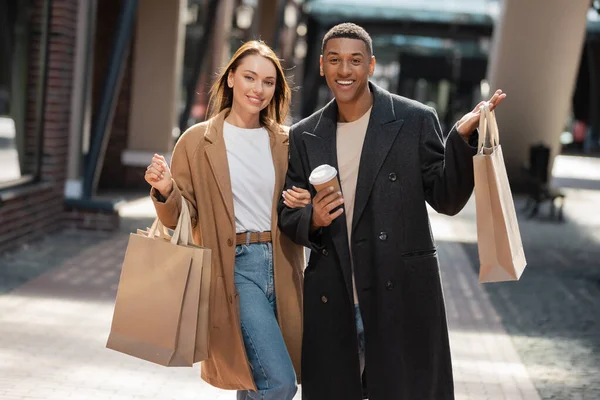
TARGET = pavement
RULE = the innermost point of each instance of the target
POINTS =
(538, 338)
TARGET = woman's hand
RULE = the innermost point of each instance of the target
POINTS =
(158, 175)
(296, 197)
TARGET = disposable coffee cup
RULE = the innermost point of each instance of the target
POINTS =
(324, 176)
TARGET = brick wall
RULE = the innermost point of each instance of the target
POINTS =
(91, 219)
(32, 212)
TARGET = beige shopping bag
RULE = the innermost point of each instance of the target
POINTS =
(501, 253)
(162, 305)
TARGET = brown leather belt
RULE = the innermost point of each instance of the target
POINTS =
(252, 237)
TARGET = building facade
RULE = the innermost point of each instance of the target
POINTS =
(91, 89)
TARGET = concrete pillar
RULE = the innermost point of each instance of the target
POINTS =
(81, 101)
(222, 37)
(156, 86)
(266, 20)
(535, 57)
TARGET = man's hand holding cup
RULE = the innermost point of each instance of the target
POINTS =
(328, 197)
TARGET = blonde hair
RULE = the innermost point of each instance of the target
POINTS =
(221, 95)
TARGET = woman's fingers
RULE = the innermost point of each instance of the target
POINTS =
(287, 197)
(158, 165)
(300, 193)
(155, 170)
(163, 161)
(160, 161)
(299, 197)
(292, 200)
(290, 203)
(154, 174)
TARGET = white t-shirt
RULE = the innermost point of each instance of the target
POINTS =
(252, 177)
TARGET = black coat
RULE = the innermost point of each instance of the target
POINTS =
(405, 162)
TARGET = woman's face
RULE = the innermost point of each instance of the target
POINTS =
(253, 84)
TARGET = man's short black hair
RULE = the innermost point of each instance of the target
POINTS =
(348, 30)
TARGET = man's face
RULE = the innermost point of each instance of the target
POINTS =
(346, 66)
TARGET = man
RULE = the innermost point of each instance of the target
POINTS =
(373, 253)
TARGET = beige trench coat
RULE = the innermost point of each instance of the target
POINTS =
(200, 173)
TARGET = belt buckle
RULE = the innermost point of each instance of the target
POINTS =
(247, 238)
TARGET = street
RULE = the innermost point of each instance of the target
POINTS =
(538, 338)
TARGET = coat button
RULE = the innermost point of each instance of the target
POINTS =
(382, 236)
(229, 242)
(389, 285)
(392, 177)
(324, 299)
(325, 252)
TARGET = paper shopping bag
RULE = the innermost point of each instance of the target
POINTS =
(501, 254)
(161, 309)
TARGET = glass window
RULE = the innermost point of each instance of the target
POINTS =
(19, 158)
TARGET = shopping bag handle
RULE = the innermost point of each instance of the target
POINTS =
(158, 230)
(183, 231)
(487, 119)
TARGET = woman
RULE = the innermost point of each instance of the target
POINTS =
(230, 170)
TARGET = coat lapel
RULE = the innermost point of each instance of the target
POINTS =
(382, 130)
(321, 144)
(321, 148)
(279, 152)
(216, 154)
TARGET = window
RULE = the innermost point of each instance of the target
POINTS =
(19, 136)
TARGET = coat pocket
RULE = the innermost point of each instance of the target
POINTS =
(419, 254)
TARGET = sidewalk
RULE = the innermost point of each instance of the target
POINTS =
(53, 329)
(485, 362)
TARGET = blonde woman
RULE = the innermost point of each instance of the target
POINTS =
(231, 170)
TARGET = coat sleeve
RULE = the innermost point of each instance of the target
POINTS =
(296, 222)
(446, 165)
(168, 209)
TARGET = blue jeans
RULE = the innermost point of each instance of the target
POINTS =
(272, 367)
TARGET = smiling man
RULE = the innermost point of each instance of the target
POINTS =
(374, 316)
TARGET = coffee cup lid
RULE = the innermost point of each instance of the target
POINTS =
(322, 174)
